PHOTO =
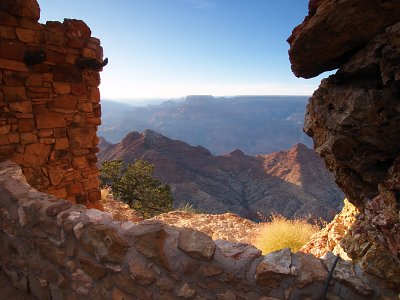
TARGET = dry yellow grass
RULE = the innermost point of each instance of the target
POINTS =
(283, 233)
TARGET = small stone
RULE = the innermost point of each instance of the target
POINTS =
(62, 88)
(92, 268)
(141, 273)
(46, 119)
(196, 244)
(103, 242)
(81, 282)
(36, 154)
(60, 206)
(26, 35)
(186, 292)
(150, 240)
(273, 268)
(228, 295)
(21, 106)
(310, 269)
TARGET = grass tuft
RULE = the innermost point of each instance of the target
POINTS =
(282, 233)
(187, 207)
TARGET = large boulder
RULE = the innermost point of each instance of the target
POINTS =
(334, 30)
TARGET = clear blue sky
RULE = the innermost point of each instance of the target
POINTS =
(172, 48)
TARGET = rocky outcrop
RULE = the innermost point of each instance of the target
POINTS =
(53, 249)
(334, 30)
(329, 238)
(354, 118)
(49, 101)
(291, 182)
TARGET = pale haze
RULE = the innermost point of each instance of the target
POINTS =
(174, 48)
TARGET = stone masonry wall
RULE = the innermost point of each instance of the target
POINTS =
(49, 101)
(53, 249)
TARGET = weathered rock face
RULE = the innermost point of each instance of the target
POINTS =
(334, 30)
(354, 118)
(49, 101)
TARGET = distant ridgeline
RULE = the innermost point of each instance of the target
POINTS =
(254, 124)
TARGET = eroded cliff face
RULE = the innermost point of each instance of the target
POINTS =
(354, 118)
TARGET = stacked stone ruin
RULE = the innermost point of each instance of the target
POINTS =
(49, 101)
(54, 248)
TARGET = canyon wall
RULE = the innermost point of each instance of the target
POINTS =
(49, 101)
(354, 118)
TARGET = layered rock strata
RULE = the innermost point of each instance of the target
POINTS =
(354, 118)
(53, 249)
(49, 101)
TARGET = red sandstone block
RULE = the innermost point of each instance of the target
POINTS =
(60, 132)
(65, 102)
(17, 158)
(48, 76)
(46, 119)
(94, 121)
(34, 80)
(23, 116)
(21, 8)
(13, 79)
(30, 24)
(7, 32)
(75, 188)
(5, 129)
(85, 107)
(59, 193)
(7, 19)
(25, 125)
(47, 141)
(94, 195)
(61, 143)
(76, 43)
(67, 72)
(21, 106)
(26, 35)
(36, 154)
(14, 93)
(71, 58)
(55, 57)
(91, 78)
(13, 65)
(94, 95)
(4, 139)
(81, 137)
(82, 198)
(13, 138)
(45, 132)
(89, 53)
(28, 138)
(79, 162)
(76, 29)
(12, 49)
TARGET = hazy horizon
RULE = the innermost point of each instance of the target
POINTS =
(134, 101)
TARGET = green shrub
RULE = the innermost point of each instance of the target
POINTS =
(283, 233)
(134, 185)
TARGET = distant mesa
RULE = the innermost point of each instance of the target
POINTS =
(292, 182)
